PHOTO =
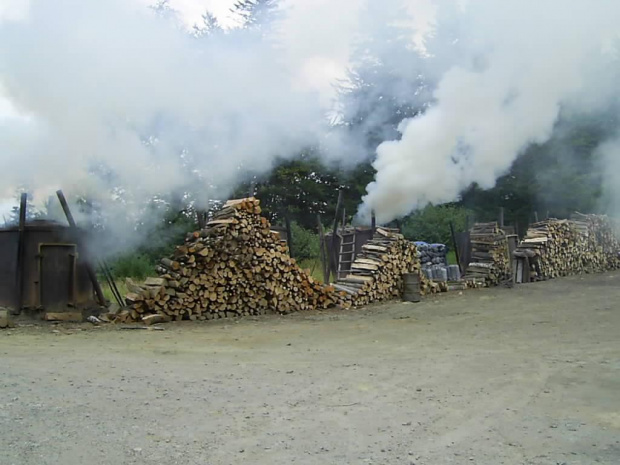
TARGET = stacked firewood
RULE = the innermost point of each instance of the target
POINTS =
(490, 261)
(602, 236)
(236, 266)
(377, 272)
(554, 248)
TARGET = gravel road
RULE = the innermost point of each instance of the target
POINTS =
(529, 375)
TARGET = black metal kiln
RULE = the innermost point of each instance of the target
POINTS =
(44, 266)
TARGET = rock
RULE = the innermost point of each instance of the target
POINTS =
(113, 309)
(94, 320)
(5, 319)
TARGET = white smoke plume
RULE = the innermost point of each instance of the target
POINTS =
(100, 78)
(120, 105)
(523, 60)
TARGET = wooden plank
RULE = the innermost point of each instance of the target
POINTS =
(225, 221)
(89, 268)
(154, 319)
(155, 282)
(63, 316)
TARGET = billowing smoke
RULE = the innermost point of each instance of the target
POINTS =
(112, 91)
(520, 64)
(121, 105)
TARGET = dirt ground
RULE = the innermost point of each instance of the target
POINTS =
(529, 375)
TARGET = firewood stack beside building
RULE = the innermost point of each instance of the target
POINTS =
(377, 273)
(554, 248)
(235, 266)
(490, 261)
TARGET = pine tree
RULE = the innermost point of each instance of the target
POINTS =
(256, 14)
(209, 26)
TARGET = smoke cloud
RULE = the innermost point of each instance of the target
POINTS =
(113, 102)
(521, 62)
(120, 105)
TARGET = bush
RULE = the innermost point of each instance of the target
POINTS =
(305, 243)
(432, 224)
(133, 265)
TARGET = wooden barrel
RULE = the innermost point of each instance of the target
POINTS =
(411, 291)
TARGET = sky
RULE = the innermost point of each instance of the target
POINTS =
(322, 58)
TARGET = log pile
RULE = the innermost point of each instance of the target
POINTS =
(236, 266)
(555, 248)
(602, 234)
(377, 273)
(490, 261)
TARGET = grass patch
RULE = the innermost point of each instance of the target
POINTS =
(314, 265)
(107, 291)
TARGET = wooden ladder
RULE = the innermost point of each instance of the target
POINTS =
(346, 256)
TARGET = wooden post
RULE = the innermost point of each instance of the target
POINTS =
(323, 254)
(21, 246)
(252, 188)
(334, 254)
(536, 217)
(289, 233)
(501, 217)
(373, 221)
(89, 269)
(456, 247)
(201, 216)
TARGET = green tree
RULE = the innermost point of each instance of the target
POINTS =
(208, 26)
(301, 187)
(432, 224)
(305, 243)
(256, 14)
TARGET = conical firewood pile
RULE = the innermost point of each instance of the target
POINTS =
(236, 266)
(554, 248)
(377, 273)
(490, 262)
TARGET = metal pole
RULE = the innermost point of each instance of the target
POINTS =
(110, 278)
(373, 221)
(89, 269)
(21, 246)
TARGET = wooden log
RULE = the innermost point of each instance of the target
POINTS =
(155, 318)
(63, 316)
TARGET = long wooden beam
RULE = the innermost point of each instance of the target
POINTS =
(89, 268)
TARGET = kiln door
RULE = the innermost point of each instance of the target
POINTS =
(57, 275)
